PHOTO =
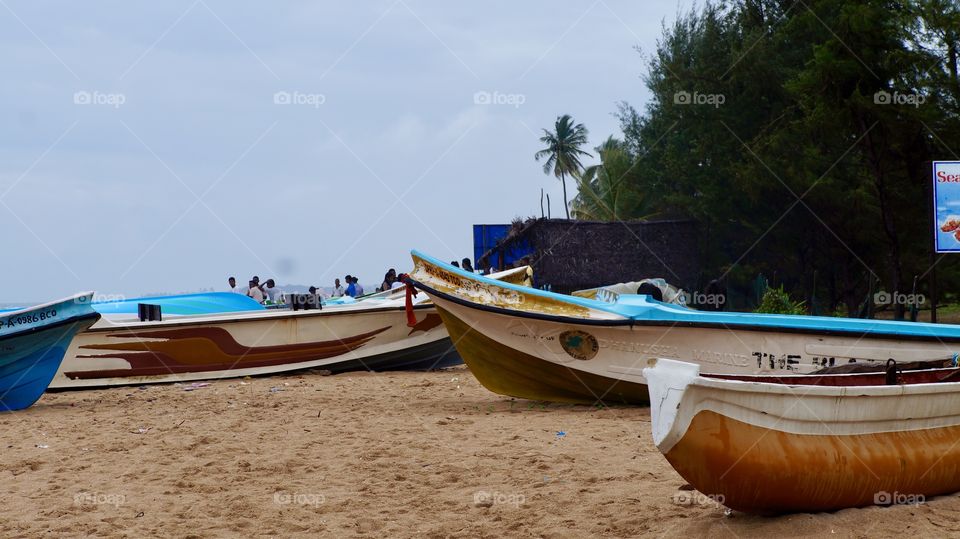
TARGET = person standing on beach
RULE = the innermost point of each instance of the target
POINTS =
(232, 281)
(338, 290)
(466, 265)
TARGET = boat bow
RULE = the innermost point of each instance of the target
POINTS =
(667, 382)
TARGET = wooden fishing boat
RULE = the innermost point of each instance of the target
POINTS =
(375, 333)
(360, 336)
(539, 345)
(774, 444)
(33, 342)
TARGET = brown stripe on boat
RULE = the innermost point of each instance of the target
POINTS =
(429, 322)
(207, 349)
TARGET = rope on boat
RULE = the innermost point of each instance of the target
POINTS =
(411, 293)
(891, 379)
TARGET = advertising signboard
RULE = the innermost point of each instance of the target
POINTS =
(946, 205)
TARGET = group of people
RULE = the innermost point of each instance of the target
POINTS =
(353, 289)
(463, 264)
(390, 281)
(266, 292)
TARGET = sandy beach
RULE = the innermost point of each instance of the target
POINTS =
(398, 454)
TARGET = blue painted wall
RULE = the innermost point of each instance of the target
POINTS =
(485, 237)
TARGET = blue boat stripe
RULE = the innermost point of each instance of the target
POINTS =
(641, 310)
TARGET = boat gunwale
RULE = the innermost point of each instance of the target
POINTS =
(725, 324)
(736, 377)
(44, 325)
(255, 316)
(804, 390)
(630, 322)
(68, 299)
(65, 321)
(513, 312)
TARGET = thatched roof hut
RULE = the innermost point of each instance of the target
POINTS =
(570, 255)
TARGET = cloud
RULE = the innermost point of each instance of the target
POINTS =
(199, 115)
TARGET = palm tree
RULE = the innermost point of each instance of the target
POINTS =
(563, 152)
(607, 191)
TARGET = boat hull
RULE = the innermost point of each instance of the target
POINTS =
(439, 354)
(355, 337)
(530, 358)
(33, 342)
(761, 470)
(510, 371)
(763, 447)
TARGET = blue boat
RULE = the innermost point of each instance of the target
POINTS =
(32, 344)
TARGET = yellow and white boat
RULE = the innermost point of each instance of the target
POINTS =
(534, 344)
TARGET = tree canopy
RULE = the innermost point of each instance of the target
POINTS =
(799, 135)
(562, 153)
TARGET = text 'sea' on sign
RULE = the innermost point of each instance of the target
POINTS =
(946, 206)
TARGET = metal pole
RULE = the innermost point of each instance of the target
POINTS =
(933, 245)
(914, 306)
(933, 290)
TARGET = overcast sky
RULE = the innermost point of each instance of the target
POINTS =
(165, 146)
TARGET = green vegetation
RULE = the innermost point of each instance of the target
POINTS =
(606, 192)
(563, 152)
(799, 136)
(777, 301)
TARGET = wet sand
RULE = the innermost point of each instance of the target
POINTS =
(398, 454)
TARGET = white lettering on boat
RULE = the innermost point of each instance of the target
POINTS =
(441, 274)
(478, 291)
(28, 318)
(666, 351)
(720, 358)
(527, 335)
(646, 349)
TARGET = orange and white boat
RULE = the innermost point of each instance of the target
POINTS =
(804, 443)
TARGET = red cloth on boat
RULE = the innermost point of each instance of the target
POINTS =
(411, 293)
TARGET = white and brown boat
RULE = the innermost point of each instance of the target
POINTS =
(792, 443)
(378, 333)
(125, 350)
